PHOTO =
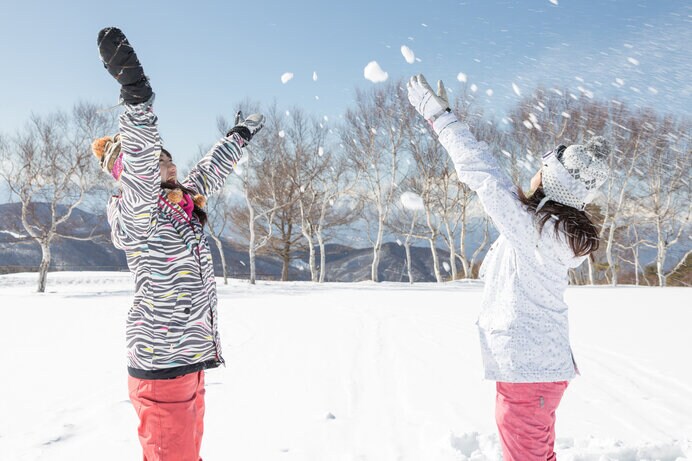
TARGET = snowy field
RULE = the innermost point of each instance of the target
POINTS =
(341, 372)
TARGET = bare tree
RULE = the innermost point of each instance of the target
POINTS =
(219, 214)
(430, 163)
(255, 216)
(49, 165)
(306, 167)
(667, 189)
(336, 209)
(270, 195)
(373, 139)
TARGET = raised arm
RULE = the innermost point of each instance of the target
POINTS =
(136, 165)
(210, 173)
(130, 212)
(475, 166)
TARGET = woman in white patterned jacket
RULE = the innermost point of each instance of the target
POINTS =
(171, 330)
(523, 323)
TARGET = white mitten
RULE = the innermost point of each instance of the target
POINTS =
(424, 99)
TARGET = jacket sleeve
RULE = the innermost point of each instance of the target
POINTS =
(209, 174)
(477, 168)
(130, 212)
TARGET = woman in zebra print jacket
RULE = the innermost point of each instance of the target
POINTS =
(171, 330)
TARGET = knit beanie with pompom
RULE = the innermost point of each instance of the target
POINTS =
(571, 175)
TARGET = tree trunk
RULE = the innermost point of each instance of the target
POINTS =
(43, 267)
(323, 257)
(635, 254)
(660, 254)
(251, 245)
(609, 255)
(311, 260)
(452, 251)
(462, 247)
(306, 230)
(591, 270)
(219, 246)
(407, 248)
(436, 261)
(253, 273)
(286, 258)
(376, 251)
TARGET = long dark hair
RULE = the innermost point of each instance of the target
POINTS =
(199, 213)
(581, 233)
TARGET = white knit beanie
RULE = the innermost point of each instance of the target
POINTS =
(572, 175)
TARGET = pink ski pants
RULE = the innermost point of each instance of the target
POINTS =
(525, 416)
(171, 416)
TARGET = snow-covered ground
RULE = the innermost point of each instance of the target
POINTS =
(341, 372)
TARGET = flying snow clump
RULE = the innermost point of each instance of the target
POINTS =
(286, 77)
(408, 54)
(412, 201)
(374, 72)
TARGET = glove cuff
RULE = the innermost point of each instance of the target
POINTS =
(443, 121)
(243, 132)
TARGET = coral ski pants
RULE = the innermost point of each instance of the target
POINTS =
(525, 416)
(171, 416)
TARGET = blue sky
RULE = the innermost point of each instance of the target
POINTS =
(204, 57)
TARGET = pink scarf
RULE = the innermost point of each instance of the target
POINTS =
(187, 205)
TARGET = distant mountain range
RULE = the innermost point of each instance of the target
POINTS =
(344, 264)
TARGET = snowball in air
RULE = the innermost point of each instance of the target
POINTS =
(374, 72)
(408, 54)
(314, 76)
(286, 77)
(412, 201)
(461, 77)
(516, 89)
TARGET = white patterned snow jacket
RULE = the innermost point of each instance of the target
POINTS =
(523, 323)
(172, 325)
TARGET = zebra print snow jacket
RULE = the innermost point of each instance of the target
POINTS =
(172, 324)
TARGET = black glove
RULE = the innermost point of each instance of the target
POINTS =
(248, 127)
